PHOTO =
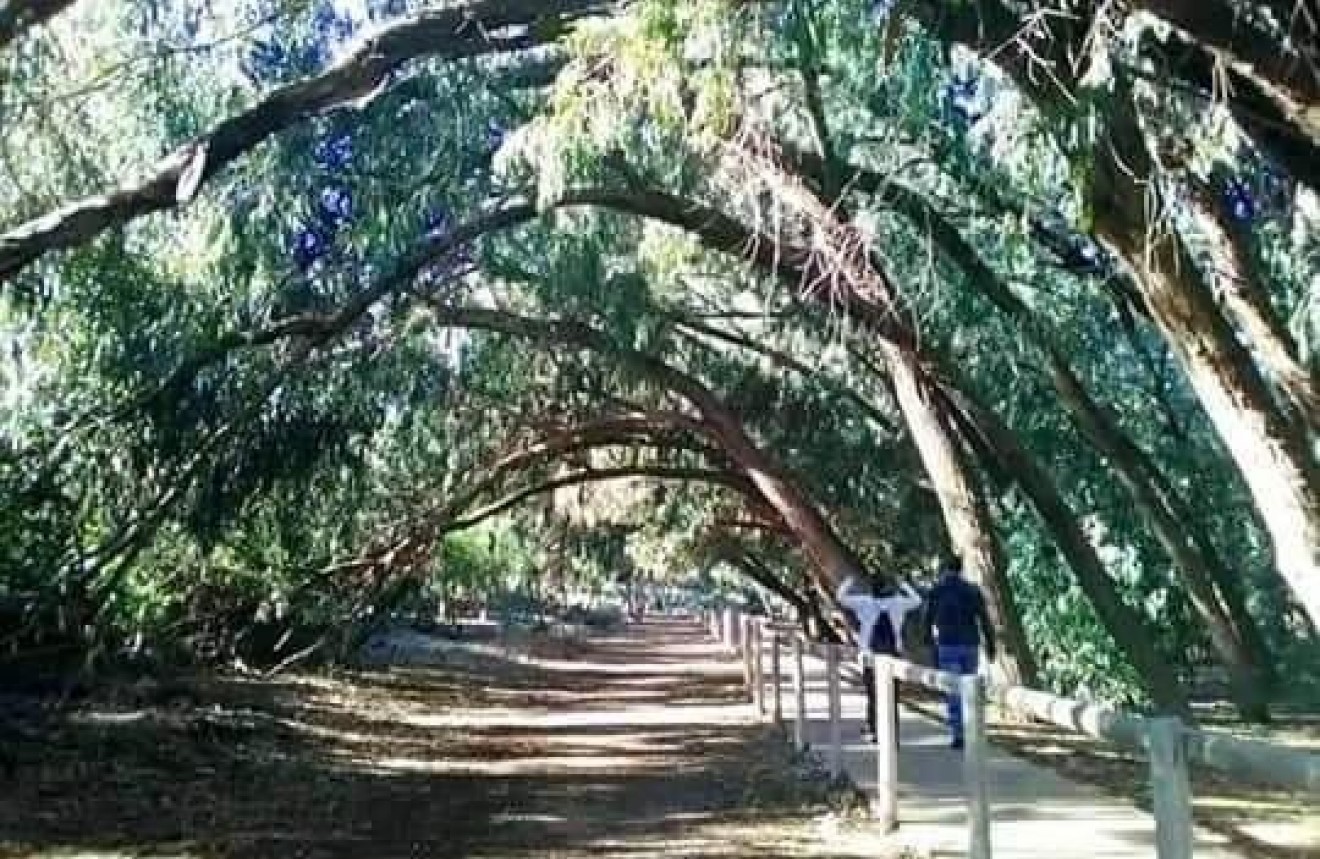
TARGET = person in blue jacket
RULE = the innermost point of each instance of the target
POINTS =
(957, 616)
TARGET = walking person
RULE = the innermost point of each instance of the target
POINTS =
(957, 615)
(877, 612)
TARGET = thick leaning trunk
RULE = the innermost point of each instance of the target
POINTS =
(870, 297)
(966, 514)
(1214, 593)
(1128, 629)
(1216, 598)
(828, 553)
(1270, 451)
(1247, 301)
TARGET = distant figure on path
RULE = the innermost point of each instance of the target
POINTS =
(878, 614)
(957, 614)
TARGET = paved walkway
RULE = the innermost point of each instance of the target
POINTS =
(1036, 813)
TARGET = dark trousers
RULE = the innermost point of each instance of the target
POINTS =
(957, 659)
(868, 683)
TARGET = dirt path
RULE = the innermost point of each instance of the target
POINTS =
(634, 745)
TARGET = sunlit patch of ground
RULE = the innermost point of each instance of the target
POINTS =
(632, 746)
(1257, 821)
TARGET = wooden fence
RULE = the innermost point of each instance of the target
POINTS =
(1169, 744)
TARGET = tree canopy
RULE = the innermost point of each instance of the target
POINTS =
(313, 306)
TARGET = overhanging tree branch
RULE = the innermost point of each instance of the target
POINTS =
(832, 558)
(589, 475)
(711, 227)
(19, 16)
(787, 361)
(450, 33)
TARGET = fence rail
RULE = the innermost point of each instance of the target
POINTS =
(1169, 744)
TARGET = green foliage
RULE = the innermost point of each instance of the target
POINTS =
(171, 483)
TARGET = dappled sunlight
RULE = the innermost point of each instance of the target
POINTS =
(523, 765)
(655, 715)
(646, 757)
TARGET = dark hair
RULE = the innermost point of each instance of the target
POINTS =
(952, 562)
(880, 587)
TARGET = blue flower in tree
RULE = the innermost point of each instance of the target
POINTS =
(265, 61)
(389, 7)
(309, 245)
(493, 136)
(330, 26)
(962, 99)
(1240, 201)
(335, 152)
(335, 206)
(964, 88)
(437, 222)
(272, 62)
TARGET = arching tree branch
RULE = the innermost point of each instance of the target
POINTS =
(590, 475)
(449, 33)
(19, 16)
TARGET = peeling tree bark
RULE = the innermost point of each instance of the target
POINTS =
(1222, 27)
(1247, 301)
(1288, 132)
(1270, 450)
(870, 297)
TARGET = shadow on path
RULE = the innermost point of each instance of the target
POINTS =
(638, 745)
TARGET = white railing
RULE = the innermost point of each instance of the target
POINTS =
(1169, 744)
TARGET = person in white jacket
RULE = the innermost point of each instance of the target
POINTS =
(878, 614)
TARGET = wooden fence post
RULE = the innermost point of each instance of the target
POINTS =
(1170, 788)
(974, 769)
(799, 694)
(758, 665)
(777, 713)
(886, 746)
(745, 639)
(836, 710)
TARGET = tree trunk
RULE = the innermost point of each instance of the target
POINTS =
(1271, 455)
(808, 610)
(1247, 301)
(1214, 595)
(1127, 627)
(1217, 600)
(1270, 451)
(829, 554)
(966, 515)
